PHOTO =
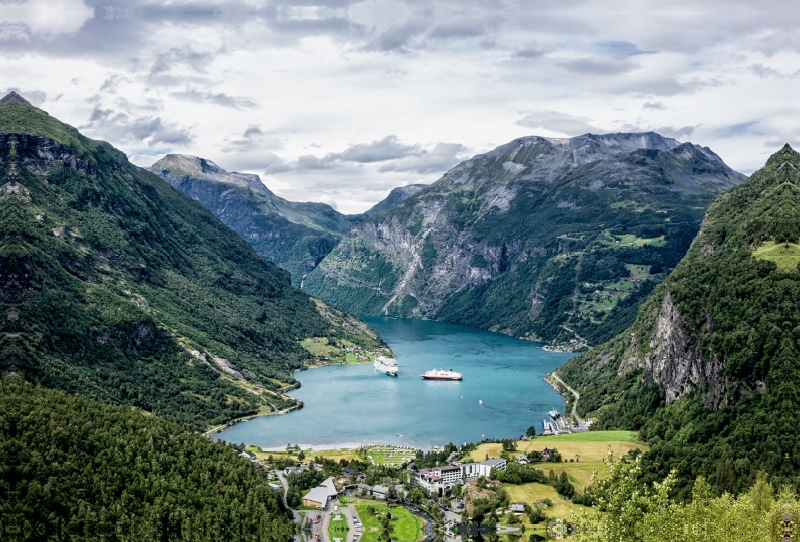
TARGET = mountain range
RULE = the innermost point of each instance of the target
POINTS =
(558, 240)
(122, 288)
(709, 373)
(294, 235)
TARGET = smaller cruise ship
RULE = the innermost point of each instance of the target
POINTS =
(386, 365)
(441, 374)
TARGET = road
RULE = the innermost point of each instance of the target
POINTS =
(581, 423)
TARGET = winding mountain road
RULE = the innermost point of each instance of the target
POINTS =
(581, 423)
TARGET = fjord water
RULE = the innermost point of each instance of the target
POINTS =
(502, 393)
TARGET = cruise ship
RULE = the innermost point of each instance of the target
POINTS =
(386, 365)
(441, 374)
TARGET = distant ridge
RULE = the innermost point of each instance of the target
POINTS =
(14, 98)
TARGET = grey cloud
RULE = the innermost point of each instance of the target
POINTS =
(597, 66)
(389, 148)
(530, 53)
(394, 155)
(677, 133)
(653, 105)
(442, 157)
(558, 122)
(110, 84)
(253, 139)
(219, 98)
(735, 130)
(120, 128)
(765, 72)
(621, 49)
(398, 37)
(312, 162)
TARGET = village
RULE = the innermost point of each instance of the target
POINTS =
(511, 490)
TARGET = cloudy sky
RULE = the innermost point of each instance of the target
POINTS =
(339, 101)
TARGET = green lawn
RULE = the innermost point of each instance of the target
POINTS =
(785, 255)
(372, 526)
(390, 455)
(591, 436)
(337, 527)
(406, 528)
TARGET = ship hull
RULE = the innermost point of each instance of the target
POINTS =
(425, 377)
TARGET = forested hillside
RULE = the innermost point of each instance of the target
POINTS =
(547, 239)
(709, 372)
(118, 286)
(295, 236)
(76, 469)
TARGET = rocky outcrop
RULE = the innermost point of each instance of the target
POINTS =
(675, 360)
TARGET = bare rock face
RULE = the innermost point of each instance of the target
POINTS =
(676, 363)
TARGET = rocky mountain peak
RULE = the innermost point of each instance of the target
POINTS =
(14, 98)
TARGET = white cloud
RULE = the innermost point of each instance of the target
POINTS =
(341, 100)
(24, 19)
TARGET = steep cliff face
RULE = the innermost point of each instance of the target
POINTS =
(674, 360)
(711, 368)
(554, 239)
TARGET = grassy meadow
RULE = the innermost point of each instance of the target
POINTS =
(406, 528)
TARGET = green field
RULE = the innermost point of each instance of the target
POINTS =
(337, 527)
(785, 255)
(406, 528)
(589, 436)
(392, 456)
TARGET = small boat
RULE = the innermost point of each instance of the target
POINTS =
(441, 374)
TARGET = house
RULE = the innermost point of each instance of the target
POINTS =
(364, 489)
(380, 492)
(546, 454)
(349, 472)
(249, 455)
(276, 487)
(291, 470)
(522, 459)
(518, 508)
(319, 496)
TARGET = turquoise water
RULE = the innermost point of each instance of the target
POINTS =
(350, 405)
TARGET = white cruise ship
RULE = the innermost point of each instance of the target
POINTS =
(386, 365)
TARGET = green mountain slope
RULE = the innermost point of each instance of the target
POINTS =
(76, 469)
(295, 236)
(116, 285)
(553, 239)
(709, 372)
